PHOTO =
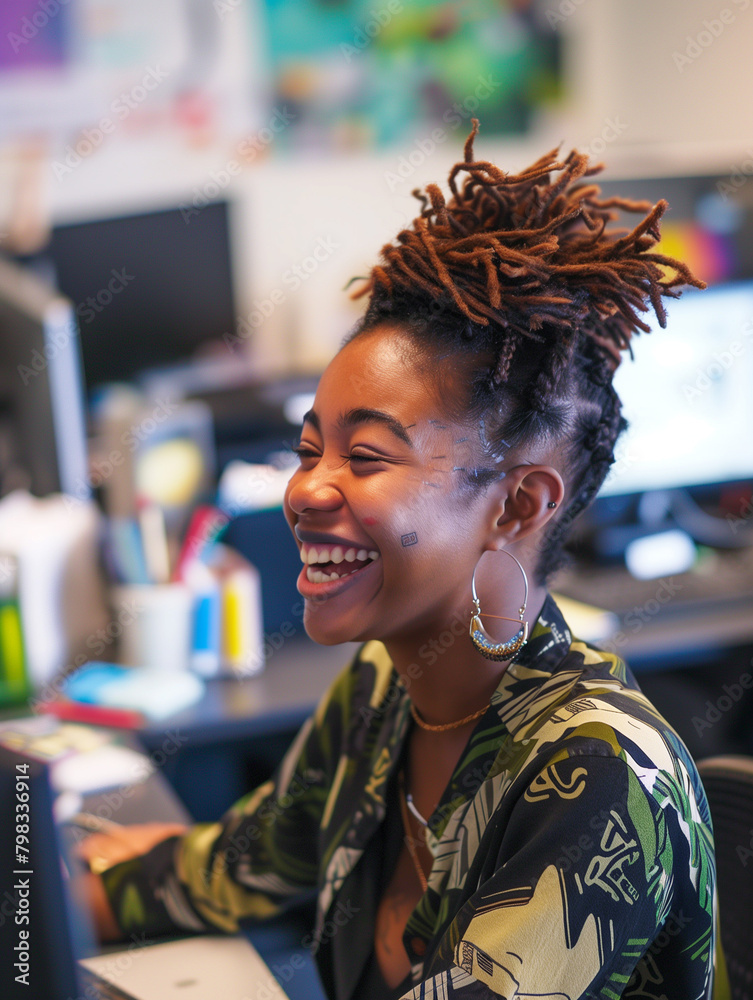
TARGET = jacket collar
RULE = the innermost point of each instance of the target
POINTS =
(548, 642)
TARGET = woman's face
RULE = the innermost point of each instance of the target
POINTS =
(388, 532)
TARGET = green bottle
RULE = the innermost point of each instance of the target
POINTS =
(14, 678)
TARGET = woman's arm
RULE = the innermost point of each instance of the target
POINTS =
(258, 857)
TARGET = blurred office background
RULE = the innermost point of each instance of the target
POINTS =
(200, 179)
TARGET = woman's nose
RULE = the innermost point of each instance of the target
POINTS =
(313, 489)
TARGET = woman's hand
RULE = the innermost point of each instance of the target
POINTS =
(101, 851)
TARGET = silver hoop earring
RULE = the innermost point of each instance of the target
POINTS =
(480, 637)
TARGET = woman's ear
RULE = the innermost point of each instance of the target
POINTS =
(530, 496)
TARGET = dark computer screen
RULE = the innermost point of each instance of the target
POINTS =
(42, 422)
(150, 289)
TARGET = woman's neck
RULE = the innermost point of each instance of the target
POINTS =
(445, 675)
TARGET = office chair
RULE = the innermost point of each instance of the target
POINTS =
(728, 781)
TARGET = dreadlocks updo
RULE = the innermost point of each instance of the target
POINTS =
(520, 275)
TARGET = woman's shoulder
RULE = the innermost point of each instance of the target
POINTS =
(592, 706)
(592, 703)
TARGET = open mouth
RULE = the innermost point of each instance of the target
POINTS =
(333, 562)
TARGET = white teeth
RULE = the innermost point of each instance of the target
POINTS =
(311, 555)
(316, 575)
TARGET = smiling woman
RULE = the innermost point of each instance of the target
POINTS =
(487, 806)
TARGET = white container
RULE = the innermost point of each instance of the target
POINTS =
(157, 621)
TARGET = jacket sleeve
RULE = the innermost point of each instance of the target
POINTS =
(262, 854)
(589, 869)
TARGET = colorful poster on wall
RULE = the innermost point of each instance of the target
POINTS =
(362, 74)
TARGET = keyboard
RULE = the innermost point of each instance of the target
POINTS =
(96, 988)
(718, 579)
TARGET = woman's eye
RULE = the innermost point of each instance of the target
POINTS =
(305, 453)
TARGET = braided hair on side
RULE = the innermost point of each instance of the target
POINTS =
(520, 274)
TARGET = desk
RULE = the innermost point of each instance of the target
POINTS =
(153, 800)
(677, 620)
(232, 740)
(279, 698)
(238, 721)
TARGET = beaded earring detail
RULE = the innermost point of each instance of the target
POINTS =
(480, 637)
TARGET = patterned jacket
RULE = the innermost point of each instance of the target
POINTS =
(573, 850)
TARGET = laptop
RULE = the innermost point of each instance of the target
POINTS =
(45, 936)
(196, 968)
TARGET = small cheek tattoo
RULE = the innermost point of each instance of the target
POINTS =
(409, 539)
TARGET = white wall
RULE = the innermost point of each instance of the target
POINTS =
(681, 72)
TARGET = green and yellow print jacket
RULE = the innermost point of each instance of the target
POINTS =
(573, 850)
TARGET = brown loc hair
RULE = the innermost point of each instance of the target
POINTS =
(520, 274)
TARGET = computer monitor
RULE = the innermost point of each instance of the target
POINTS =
(42, 414)
(151, 289)
(688, 396)
(686, 393)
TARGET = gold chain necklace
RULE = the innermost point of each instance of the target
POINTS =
(445, 725)
(406, 800)
(409, 835)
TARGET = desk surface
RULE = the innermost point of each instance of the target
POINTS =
(296, 675)
(677, 620)
(279, 698)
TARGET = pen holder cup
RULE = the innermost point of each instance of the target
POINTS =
(155, 625)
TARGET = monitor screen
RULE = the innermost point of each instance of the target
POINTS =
(150, 290)
(688, 396)
(42, 421)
